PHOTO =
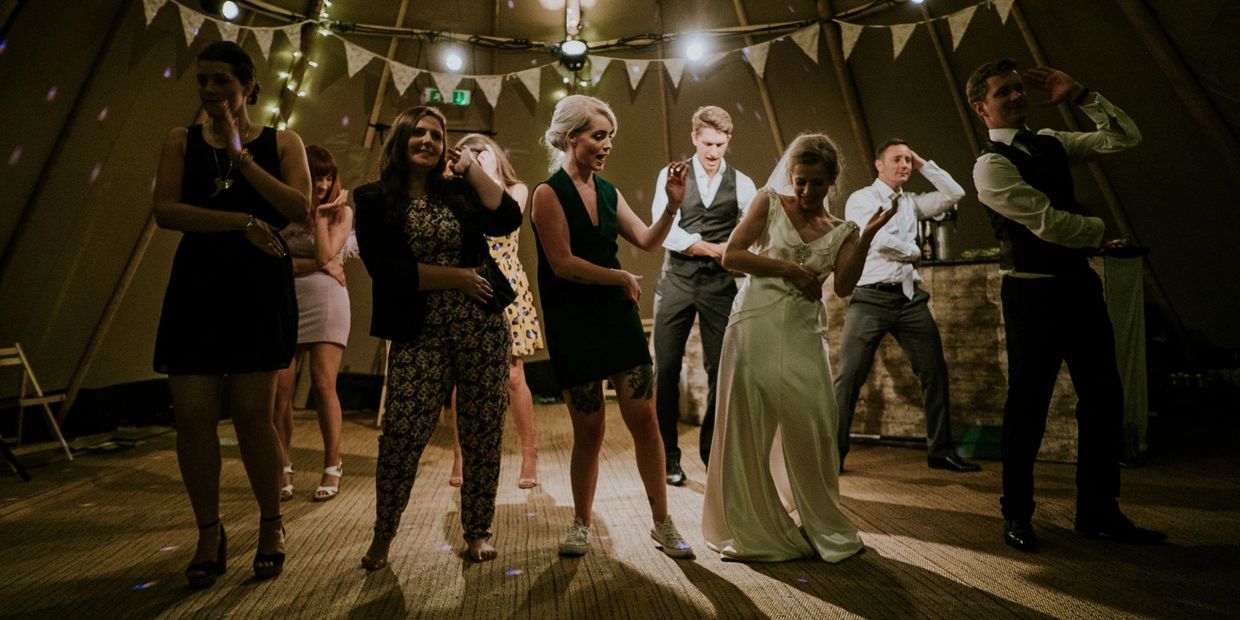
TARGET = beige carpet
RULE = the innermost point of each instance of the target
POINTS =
(109, 535)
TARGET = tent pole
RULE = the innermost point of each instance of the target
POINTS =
(667, 125)
(383, 79)
(1187, 87)
(1157, 293)
(848, 88)
(962, 110)
(765, 93)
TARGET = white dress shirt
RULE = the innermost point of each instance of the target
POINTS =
(894, 248)
(678, 239)
(1000, 186)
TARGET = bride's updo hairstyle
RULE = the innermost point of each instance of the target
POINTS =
(572, 116)
(816, 148)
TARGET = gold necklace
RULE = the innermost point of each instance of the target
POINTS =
(223, 180)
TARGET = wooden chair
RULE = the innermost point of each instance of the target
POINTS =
(30, 395)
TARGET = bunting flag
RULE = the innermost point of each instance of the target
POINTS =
(191, 22)
(263, 37)
(490, 85)
(402, 75)
(151, 8)
(228, 30)
(357, 56)
(293, 33)
(756, 55)
(1004, 7)
(675, 68)
(598, 64)
(899, 37)
(807, 39)
(446, 83)
(959, 22)
(636, 70)
(849, 33)
(532, 79)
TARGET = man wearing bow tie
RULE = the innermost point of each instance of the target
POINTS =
(1053, 307)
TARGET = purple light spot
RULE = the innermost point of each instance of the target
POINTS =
(196, 31)
(530, 514)
(510, 3)
(445, 547)
(103, 114)
(167, 72)
(15, 155)
(344, 120)
(51, 93)
(144, 585)
(514, 572)
(4, 43)
(94, 172)
(802, 580)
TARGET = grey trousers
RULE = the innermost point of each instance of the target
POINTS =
(707, 294)
(873, 314)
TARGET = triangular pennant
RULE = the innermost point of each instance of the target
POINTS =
(532, 79)
(151, 8)
(756, 55)
(849, 33)
(1004, 7)
(228, 30)
(402, 75)
(807, 39)
(959, 22)
(899, 37)
(636, 69)
(675, 68)
(446, 83)
(263, 37)
(357, 57)
(191, 21)
(598, 64)
(294, 35)
(490, 85)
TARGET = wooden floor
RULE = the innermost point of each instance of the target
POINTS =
(109, 535)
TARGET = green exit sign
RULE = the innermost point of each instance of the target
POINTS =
(459, 97)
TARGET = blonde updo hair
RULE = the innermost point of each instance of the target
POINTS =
(816, 148)
(572, 116)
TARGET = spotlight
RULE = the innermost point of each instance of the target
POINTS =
(917, 1)
(695, 49)
(453, 61)
(227, 8)
(573, 54)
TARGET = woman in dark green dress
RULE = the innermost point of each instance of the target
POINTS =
(593, 330)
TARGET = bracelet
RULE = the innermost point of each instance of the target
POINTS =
(248, 224)
(242, 158)
(1080, 99)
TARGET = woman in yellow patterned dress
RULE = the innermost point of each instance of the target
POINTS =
(522, 318)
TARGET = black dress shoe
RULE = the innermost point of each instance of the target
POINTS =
(1018, 534)
(952, 462)
(1116, 526)
(675, 475)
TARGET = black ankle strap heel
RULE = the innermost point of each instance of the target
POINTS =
(203, 574)
(274, 561)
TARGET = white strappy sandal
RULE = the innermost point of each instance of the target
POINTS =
(324, 493)
(286, 491)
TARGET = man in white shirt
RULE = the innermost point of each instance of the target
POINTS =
(694, 281)
(1053, 307)
(888, 300)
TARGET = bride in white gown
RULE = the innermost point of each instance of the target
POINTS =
(772, 491)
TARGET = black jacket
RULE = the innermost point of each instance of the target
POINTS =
(398, 308)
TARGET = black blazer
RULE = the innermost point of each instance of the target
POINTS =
(398, 308)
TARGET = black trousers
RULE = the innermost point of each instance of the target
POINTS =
(1049, 321)
(706, 294)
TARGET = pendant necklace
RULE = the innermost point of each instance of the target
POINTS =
(223, 180)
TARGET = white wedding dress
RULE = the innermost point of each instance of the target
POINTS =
(772, 489)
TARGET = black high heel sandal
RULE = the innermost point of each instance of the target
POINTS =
(276, 560)
(203, 574)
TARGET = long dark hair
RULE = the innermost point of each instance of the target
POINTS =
(240, 62)
(394, 168)
(322, 164)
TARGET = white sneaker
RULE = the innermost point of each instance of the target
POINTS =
(670, 540)
(576, 540)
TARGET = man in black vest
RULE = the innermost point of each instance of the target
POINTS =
(693, 280)
(1053, 308)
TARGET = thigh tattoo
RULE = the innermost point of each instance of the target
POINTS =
(640, 381)
(587, 398)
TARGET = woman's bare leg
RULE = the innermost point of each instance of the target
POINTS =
(521, 404)
(196, 404)
(586, 410)
(324, 368)
(635, 389)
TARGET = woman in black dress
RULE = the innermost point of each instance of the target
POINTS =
(229, 320)
(593, 330)
(421, 236)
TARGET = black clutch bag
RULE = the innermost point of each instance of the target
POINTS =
(501, 291)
